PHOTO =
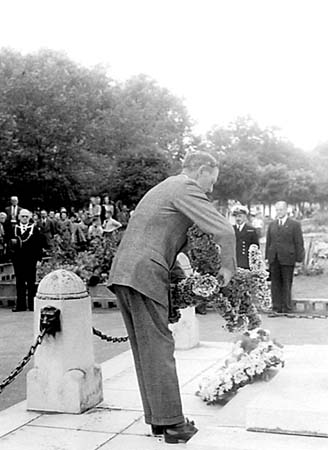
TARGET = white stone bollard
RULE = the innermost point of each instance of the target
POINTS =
(186, 331)
(65, 377)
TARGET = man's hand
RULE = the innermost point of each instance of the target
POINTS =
(226, 274)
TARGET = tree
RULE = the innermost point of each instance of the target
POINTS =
(146, 114)
(301, 187)
(273, 183)
(237, 179)
(51, 116)
(136, 172)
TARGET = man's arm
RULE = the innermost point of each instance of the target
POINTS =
(268, 242)
(299, 242)
(192, 202)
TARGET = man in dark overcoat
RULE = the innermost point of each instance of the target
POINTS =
(284, 249)
(26, 250)
(155, 235)
(246, 235)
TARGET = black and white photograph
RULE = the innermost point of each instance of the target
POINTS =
(163, 225)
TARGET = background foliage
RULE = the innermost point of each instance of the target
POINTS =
(67, 132)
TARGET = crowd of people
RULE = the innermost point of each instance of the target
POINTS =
(76, 227)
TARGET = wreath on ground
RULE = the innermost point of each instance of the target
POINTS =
(254, 357)
(238, 302)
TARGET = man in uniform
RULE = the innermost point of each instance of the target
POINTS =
(246, 235)
(155, 235)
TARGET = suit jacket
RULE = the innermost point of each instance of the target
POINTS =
(47, 231)
(157, 231)
(8, 211)
(244, 239)
(25, 247)
(285, 243)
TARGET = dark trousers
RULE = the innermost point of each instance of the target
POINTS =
(152, 346)
(25, 273)
(281, 286)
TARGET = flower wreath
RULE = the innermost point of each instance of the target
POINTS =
(238, 301)
(254, 357)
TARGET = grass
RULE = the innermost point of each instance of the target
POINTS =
(314, 286)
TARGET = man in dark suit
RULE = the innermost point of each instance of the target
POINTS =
(284, 249)
(47, 230)
(140, 278)
(13, 210)
(26, 251)
(246, 235)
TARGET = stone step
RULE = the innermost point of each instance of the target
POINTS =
(310, 305)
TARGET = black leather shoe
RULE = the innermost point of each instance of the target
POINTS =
(157, 430)
(17, 309)
(176, 434)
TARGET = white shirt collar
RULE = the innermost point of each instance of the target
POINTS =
(240, 227)
(283, 220)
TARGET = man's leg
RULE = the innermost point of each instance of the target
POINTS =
(20, 286)
(287, 281)
(31, 287)
(153, 347)
(276, 286)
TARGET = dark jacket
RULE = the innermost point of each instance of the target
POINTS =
(26, 247)
(244, 239)
(285, 243)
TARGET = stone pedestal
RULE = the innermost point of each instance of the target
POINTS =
(65, 377)
(186, 331)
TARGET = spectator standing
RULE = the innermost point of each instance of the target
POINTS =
(246, 235)
(26, 251)
(3, 236)
(110, 224)
(95, 229)
(64, 226)
(47, 230)
(95, 208)
(284, 248)
(107, 206)
(79, 239)
(13, 210)
(123, 216)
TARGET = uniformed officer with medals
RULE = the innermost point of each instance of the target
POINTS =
(26, 250)
(246, 235)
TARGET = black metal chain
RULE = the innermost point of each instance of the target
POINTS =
(12, 376)
(109, 338)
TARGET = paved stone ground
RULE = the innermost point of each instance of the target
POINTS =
(16, 336)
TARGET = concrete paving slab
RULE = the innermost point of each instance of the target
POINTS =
(98, 420)
(121, 399)
(141, 443)
(126, 380)
(15, 417)
(294, 402)
(44, 438)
